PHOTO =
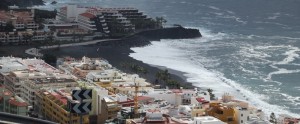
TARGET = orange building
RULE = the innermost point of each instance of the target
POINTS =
(224, 113)
(53, 106)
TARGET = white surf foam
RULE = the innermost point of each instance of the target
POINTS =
(166, 53)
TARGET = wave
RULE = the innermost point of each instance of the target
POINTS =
(179, 55)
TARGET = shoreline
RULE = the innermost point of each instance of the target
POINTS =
(115, 51)
(115, 56)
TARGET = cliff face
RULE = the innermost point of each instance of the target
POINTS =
(143, 38)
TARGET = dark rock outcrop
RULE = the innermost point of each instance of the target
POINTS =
(170, 33)
(143, 38)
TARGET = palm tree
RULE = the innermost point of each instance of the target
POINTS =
(160, 21)
(158, 75)
(166, 75)
(212, 96)
(172, 82)
(273, 118)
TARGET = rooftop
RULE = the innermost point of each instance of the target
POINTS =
(208, 119)
(16, 102)
(88, 15)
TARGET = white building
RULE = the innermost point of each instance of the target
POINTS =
(31, 86)
(84, 66)
(243, 115)
(111, 75)
(287, 119)
(165, 94)
(207, 120)
(70, 13)
(8, 64)
(87, 21)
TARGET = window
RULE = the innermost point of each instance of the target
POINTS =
(242, 115)
(241, 121)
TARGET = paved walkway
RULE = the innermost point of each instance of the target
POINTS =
(77, 44)
(36, 51)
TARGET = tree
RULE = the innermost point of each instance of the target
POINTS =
(173, 83)
(273, 118)
(158, 75)
(212, 96)
(160, 21)
(166, 75)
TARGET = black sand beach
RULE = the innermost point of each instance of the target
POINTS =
(116, 56)
(116, 52)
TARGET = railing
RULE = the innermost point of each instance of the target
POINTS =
(22, 119)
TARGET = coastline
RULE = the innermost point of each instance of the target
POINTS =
(115, 56)
(116, 51)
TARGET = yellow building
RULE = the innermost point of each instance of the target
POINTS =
(224, 113)
(104, 84)
(53, 106)
(197, 111)
(109, 109)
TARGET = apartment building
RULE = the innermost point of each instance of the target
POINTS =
(207, 120)
(53, 105)
(87, 21)
(70, 13)
(36, 68)
(222, 112)
(29, 87)
(98, 19)
(104, 78)
(80, 68)
(22, 36)
(19, 19)
(109, 109)
(11, 103)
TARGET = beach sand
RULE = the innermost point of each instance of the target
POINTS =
(117, 55)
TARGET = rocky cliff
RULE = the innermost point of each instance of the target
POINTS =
(143, 38)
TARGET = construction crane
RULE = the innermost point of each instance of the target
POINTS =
(136, 102)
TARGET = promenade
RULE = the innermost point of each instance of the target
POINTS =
(36, 51)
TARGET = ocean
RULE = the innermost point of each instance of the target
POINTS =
(249, 48)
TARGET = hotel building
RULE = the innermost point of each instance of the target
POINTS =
(53, 106)
(11, 103)
(19, 19)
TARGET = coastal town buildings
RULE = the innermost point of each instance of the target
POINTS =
(53, 106)
(33, 75)
(98, 19)
(29, 87)
(86, 21)
(286, 119)
(207, 120)
(116, 96)
(11, 103)
(22, 36)
(80, 68)
(20, 19)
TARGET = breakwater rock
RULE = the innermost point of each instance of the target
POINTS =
(144, 37)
